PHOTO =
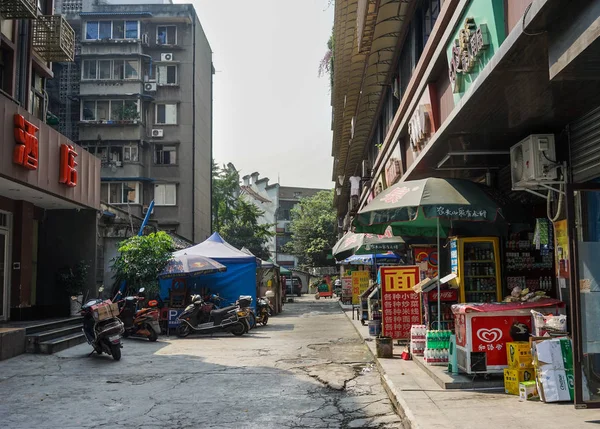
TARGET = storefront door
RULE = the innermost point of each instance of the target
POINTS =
(583, 207)
(3, 274)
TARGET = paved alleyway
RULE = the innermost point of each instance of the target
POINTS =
(306, 369)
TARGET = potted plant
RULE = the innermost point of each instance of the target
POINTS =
(73, 281)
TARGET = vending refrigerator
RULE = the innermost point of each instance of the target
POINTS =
(476, 263)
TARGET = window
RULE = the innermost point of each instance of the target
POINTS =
(116, 30)
(110, 69)
(165, 155)
(90, 69)
(6, 69)
(36, 94)
(130, 153)
(166, 35)
(123, 193)
(167, 75)
(166, 114)
(165, 194)
(110, 110)
(104, 69)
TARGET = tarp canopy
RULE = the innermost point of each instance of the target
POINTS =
(381, 258)
(239, 279)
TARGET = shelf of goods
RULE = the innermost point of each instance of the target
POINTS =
(527, 267)
(437, 346)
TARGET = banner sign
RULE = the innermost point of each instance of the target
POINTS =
(401, 304)
(360, 283)
(346, 287)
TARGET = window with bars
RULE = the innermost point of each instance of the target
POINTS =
(109, 110)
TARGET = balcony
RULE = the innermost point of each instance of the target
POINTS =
(53, 38)
(111, 48)
(110, 87)
(120, 170)
(18, 9)
(121, 130)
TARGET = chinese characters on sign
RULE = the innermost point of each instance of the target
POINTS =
(454, 257)
(466, 50)
(360, 283)
(26, 151)
(490, 335)
(68, 173)
(461, 213)
(401, 305)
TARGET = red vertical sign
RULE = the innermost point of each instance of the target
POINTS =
(401, 305)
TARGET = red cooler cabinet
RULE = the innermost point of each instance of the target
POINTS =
(482, 331)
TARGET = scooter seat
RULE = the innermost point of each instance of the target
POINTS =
(221, 311)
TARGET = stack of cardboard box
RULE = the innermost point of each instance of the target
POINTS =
(520, 366)
(553, 362)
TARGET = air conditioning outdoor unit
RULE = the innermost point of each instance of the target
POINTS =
(533, 161)
(150, 87)
(166, 57)
(157, 132)
(366, 169)
(145, 210)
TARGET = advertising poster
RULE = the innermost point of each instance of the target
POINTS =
(561, 238)
(360, 283)
(401, 304)
(426, 257)
(346, 289)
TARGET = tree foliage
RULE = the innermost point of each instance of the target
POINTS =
(326, 64)
(313, 230)
(142, 258)
(236, 219)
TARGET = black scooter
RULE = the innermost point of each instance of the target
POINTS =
(195, 320)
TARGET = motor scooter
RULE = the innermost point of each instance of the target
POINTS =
(195, 320)
(263, 310)
(101, 327)
(141, 323)
(243, 304)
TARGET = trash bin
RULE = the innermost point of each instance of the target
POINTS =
(384, 347)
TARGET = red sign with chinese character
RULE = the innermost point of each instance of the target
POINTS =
(401, 305)
(68, 173)
(25, 152)
(490, 335)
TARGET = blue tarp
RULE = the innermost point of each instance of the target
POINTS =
(239, 279)
(381, 258)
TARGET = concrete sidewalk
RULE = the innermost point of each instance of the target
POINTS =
(426, 405)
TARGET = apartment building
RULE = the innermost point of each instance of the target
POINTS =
(276, 202)
(139, 97)
(49, 186)
(495, 91)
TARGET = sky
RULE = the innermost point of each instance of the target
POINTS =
(272, 111)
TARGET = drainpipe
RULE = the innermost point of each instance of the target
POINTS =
(22, 73)
(194, 18)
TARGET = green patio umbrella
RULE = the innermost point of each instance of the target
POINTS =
(413, 208)
(429, 208)
(366, 244)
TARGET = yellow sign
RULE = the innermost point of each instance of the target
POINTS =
(562, 249)
(400, 279)
(360, 283)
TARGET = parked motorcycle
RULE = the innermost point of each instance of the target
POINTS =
(263, 310)
(101, 326)
(243, 303)
(139, 323)
(197, 318)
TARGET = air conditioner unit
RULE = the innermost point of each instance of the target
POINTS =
(166, 57)
(150, 87)
(367, 172)
(145, 210)
(157, 133)
(533, 161)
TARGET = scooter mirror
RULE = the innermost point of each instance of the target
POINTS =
(142, 290)
(101, 289)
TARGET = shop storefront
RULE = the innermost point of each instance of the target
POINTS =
(49, 197)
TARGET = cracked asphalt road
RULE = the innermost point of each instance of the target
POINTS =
(306, 369)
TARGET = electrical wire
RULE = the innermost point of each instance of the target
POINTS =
(524, 16)
(561, 192)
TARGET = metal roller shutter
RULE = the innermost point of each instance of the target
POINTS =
(585, 147)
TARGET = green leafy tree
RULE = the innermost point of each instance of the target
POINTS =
(141, 259)
(314, 230)
(236, 219)
(225, 193)
(245, 231)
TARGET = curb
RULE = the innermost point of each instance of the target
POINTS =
(402, 409)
